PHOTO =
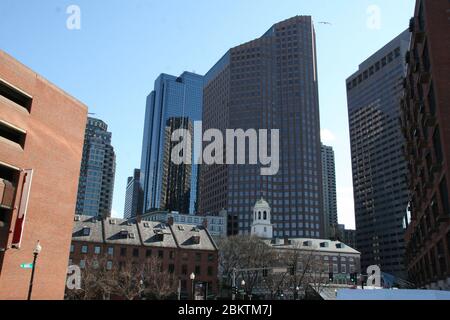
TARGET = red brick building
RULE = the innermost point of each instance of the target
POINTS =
(426, 126)
(183, 249)
(41, 141)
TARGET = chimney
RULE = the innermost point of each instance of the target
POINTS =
(205, 223)
(286, 241)
(170, 221)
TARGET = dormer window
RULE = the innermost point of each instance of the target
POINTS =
(86, 231)
(196, 239)
(124, 233)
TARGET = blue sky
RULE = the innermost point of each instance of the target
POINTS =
(112, 61)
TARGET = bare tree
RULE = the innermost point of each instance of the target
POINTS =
(96, 281)
(159, 284)
(245, 252)
(128, 282)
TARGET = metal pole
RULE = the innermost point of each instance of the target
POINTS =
(206, 291)
(193, 297)
(179, 289)
(233, 295)
(30, 289)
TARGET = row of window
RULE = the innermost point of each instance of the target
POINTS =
(136, 252)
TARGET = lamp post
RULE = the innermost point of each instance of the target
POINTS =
(36, 252)
(192, 276)
(243, 289)
(297, 289)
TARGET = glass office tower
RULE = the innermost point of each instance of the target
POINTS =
(378, 163)
(175, 102)
(98, 167)
(269, 83)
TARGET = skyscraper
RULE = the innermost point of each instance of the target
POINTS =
(133, 196)
(175, 103)
(98, 167)
(425, 118)
(379, 167)
(329, 189)
(269, 83)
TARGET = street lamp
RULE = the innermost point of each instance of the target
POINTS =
(243, 289)
(36, 252)
(297, 289)
(192, 276)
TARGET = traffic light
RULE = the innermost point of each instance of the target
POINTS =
(234, 290)
(354, 278)
(331, 277)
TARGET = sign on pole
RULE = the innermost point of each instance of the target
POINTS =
(26, 266)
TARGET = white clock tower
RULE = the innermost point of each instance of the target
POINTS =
(262, 226)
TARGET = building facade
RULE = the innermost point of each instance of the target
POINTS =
(268, 83)
(182, 249)
(133, 196)
(425, 120)
(329, 189)
(378, 163)
(41, 143)
(98, 168)
(175, 103)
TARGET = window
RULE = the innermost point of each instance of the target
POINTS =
(185, 256)
(171, 268)
(109, 265)
(160, 254)
(135, 252)
(82, 264)
(148, 253)
(15, 95)
(123, 252)
(184, 269)
(72, 248)
(198, 257)
(97, 250)
(210, 271)
(86, 231)
(84, 249)
(110, 251)
(171, 255)
(12, 133)
(197, 270)
(343, 268)
(335, 268)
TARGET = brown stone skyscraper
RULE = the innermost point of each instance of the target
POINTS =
(269, 83)
(426, 126)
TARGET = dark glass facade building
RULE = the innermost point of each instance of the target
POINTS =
(133, 196)
(329, 189)
(98, 168)
(269, 83)
(426, 125)
(175, 103)
(378, 163)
